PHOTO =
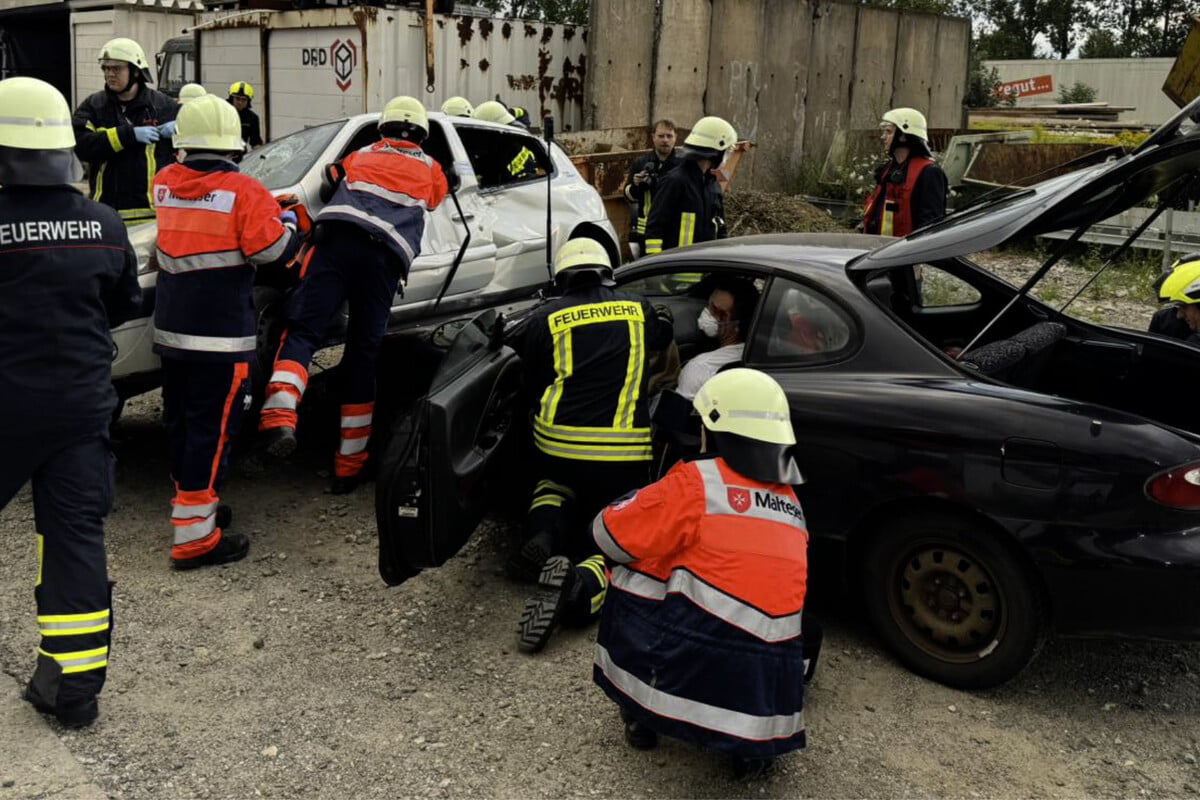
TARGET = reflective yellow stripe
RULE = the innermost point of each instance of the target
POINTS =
(151, 168)
(606, 436)
(593, 452)
(887, 225)
(114, 139)
(653, 246)
(631, 389)
(73, 624)
(547, 500)
(688, 277)
(687, 228)
(99, 181)
(544, 485)
(40, 554)
(563, 367)
(80, 660)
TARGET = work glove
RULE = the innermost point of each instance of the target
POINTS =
(288, 218)
(167, 129)
(146, 134)
(664, 313)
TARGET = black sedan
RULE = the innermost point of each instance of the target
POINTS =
(991, 468)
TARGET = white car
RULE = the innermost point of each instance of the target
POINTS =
(505, 257)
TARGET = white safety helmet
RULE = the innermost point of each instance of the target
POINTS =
(458, 107)
(404, 117)
(750, 420)
(190, 91)
(37, 141)
(582, 257)
(129, 51)
(208, 123)
(908, 120)
(494, 111)
(711, 138)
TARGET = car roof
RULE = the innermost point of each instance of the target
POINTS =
(829, 251)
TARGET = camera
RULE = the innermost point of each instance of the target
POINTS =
(650, 168)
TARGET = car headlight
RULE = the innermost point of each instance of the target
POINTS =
(144, 239)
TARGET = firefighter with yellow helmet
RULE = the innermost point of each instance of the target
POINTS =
(67, 274)
(688, 204)
(523, 164)
(458, 107)
(123, 132)
(1179, 293)
(241, 95)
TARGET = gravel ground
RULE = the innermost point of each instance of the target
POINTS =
(297, 673)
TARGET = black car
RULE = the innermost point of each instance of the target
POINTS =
(991, 468)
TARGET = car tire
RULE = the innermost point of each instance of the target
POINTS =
(953, 601)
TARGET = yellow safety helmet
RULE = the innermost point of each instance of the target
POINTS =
(190, 91)
(751, 419)
(241, 89)
(34, 116)
(127, 50)
(458, 107)
(582, 257)
(712, 133)
(908, 120)
(1180, 286)
(405, 109)
(494, 111)
(208, 123)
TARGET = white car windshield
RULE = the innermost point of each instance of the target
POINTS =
(283, 162)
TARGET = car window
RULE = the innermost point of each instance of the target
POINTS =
(283, 162)
(472, 340)
(367, 135)
(502, 158)
(666, 284)
(798, 324)
(939, 289)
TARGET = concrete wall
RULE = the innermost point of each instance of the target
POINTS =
(1135, 82)
(788, 74)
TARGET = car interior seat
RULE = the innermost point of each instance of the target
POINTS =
(1016, 359)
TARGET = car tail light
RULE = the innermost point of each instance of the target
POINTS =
(1178, 487)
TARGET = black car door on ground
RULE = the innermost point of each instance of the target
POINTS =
(432, 489)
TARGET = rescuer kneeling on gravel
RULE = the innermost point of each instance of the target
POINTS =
(700, 637)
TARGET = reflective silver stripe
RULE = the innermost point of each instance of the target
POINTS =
(200, 261)
(73, 624)
(607, 544)
(195, 531)
(760, 503)
(570, 434)
(281, 400)
(272, 252)
(357, 421)
(179, 511)
(721, 605)
(290, 378)
(714, 718)
(80, 660)
(414, 153)
(595, 453)
(207, 344)
(771, 415)
(384, 227)
(39, 123)
(399, 198)
(350, 447)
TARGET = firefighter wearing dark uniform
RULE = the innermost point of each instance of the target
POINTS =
(241, 94)
(585, 355)
(700, 638)
(644, 174)
(688, 204)
(1179, 293)
(910, 189)
(524, 162)
(67, 274)
(123, 133)
(366, 239)
(215, 226)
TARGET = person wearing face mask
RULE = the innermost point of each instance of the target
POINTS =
(725, 319)
(910, 189)
(123, 133)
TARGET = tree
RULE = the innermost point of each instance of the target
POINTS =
(1102, 43)
(570, 11)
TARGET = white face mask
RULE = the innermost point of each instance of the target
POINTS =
(708, 324)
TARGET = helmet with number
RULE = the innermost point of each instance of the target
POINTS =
(404, 117)
(582, 262)
(37, 142)
(190, 91)
(241, 89)
(494, 111)
(129, 51)
(749, 421)
(711, 138)
(1180, 286)
(458, 107)
(208, 123)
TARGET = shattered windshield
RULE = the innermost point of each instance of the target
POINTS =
(283, 162)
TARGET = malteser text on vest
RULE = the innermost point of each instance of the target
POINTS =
(48, 231)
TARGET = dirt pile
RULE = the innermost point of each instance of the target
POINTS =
(748, 211)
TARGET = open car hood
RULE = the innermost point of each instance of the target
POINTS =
(1170, 155)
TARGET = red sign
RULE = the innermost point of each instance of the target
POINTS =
(739, 499)
(1042, 84)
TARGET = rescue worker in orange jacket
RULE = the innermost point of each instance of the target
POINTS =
(67, 275)
(215, 227)
(910, 189)
(700, 638)
(365, 241)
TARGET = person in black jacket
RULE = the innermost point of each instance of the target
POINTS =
(688, 205)
(124, 133)
(644, 174)
(910, 189)
(67, 275)
(241, 95)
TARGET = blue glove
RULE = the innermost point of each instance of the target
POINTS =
(167, 129)
(146, 134)
(288, 217)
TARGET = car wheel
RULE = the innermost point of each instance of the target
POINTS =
(953, 601)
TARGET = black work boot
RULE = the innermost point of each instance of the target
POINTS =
(280, 442)
(77, 713)
(345, 484)
(231, 547)
(526, 564)
(638, 736)
(544, 610)
(224, 516)
(753, 769)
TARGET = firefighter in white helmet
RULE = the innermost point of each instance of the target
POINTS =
(458, 107)
(688, 204)
(365, 240)
(910, 189)
(67, 274)
(190, 91)
(123, 132)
